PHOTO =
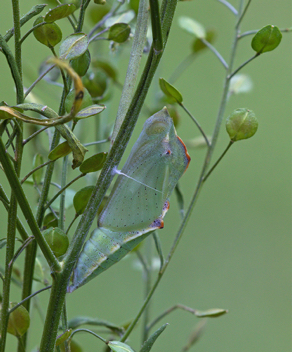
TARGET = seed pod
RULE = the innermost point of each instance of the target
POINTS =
(57, 240)
(241, 124)
(18, 322)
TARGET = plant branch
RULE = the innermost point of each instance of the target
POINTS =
(28, 90)
(229, 6)
(242, 65)
(215, 51)
(254, 31)
(34, 170)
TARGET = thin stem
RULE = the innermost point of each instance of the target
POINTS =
(242, 65)
(34, 170)
(83, 6)
(158, 248)
(97, 35)
(170, 310)
(28, 90)
(37, 9)
(30, 31)
(215, 51)
(20, 249)
(63, 194)
(147, 288)
(90, 332)
(17, 44)
(254, 31)
(72, 222)
(34, 134)
(229, 6)
(62, 190)
(197, 123)
(243, 14)
(96, 142)
(182, 67)
(29, 297)
(142, 261)
(217, 162)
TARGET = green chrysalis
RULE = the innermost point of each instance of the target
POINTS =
(139, 199)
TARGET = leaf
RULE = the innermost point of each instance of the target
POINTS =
(3, 242)
(119, 32)
(147, 345)
(48, 34)
(78, 321)
(86, 102)
(170, 91)
(73, 46)
(60, 151)
(90, 111)
(81, 64)
(117, 346)
(211, 313)
(124, 17)
(93, 163)
(180, 200)
(266, 39)
(59, 12)
(191, 26)
(81, 199)
(63, 337)
(19, 321)
(38, 175)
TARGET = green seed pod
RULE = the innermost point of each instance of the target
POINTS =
(81, 199)
(266, 39)
(60, 151)
(48, 34)
(119, 32)
(81, 64)
(50, 221)
(241, 124)
(93, 163)
(18, 322)
(95, 82)
(57, 240)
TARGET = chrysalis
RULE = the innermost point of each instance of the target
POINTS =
(139, 199)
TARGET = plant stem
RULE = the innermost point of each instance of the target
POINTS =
(229, 6)
(33, 135)
(199, 184)
(254, 31)
(34, 170)
(28, 90)
(60, 283)
(217, 162)
(182, 67)
(63, 194)
(63, 189)
(197, 124)
(156, 26)
(242, 65)
(215, 51)
(29, 297)
(90, 332)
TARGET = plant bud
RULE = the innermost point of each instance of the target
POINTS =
(57, 240)
(241, 124)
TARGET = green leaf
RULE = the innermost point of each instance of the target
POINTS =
(48, 34)
(38, 175)
(81, 64)
(57, 240)
(81, 199)
(110, 71)
(119, 32)
(93, 163)
(60, 151)
(180, 200)
(96, 82)
(19, 321)
(117, 346)
(50, 221)
(211, 313)
(147, 345)
(59, 12)
(73, 46)
(3, 242)
(63, 337)
(170, 91)
(266, 39)
(78, 321)
(241, 124)
(191, 26)
(90, 111)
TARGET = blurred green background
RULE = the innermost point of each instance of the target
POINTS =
(236, 251)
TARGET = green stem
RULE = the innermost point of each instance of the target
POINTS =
(215, 51)
(63, 189)
(197, 124)
(156, 26)
(199, 184)
(29, 89)
(90, 332)
(29, 297)
(37, 9)
(30, 31)
(63, 194)
(229, 6)
(83, 7)
(182, 67)
(71, 223)
(17, 44)
(242, 14)
(60, 284)
(254, 31)
(25, 207)
(33, 135)
(242, 65)
(218, 161)
(34, 170)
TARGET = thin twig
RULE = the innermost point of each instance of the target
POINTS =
(229, 6)
(242, 65)
(34, 170)
(215, 51)
(28, 90)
